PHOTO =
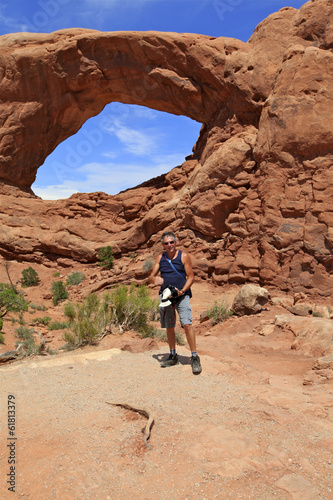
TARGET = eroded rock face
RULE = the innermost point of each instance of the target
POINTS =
(254, 201)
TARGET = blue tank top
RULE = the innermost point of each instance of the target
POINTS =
(170, 276)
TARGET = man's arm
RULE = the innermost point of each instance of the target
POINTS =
(154, 279)
(186, 260)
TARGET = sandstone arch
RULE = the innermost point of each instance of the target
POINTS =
(51, 84)
(255, 198)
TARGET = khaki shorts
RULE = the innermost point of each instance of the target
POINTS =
(168, 314)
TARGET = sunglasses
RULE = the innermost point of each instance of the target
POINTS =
(169, 243)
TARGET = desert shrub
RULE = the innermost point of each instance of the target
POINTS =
(41, 321)
(59, 292)
(105, 257)
(26, 343)
(122, 309)
(86, 322)
(132, 308)
(58, 325)
(10, 300)
(29, 277)
(161, 335)
(219, 312)
(75, 278)
(147, 266)
(56, 274)
(1, 324)
(2, 338)
(37, 307)
(69, 311)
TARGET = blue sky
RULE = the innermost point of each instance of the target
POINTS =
(125, 145)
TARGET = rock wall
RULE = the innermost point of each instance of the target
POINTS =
(253, 203)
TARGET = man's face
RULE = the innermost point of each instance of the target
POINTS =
(169, 243)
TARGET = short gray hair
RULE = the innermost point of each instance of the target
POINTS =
(168, 233)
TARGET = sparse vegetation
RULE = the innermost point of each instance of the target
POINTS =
(123, 309)
(29, 277)
(59, 292)
(86, 322)
(41, 321)
(75, 278)
(317, 314)
(26, 343)
(162, 336)
(147, 266)
(219, 312)
(10, 300)
(132, 308)
(38, 307)
(2, 338)
(105, 257)
(58, 325)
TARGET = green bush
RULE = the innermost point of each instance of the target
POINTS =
(1, 324)
(29, 277)
(58, 325)
(75, 278)
(41, 321)
(59, 292)
(38, 307)
(2, 338)
(219, 312)
(69, 311)
(122, 309)
(86, 322)
(26, 342)
(105, 257)
(132, 309)
(10, 300)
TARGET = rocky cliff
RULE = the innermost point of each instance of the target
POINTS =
(253, 203)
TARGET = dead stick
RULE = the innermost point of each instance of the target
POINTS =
(146, 412)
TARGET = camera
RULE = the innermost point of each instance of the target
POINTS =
(174, 293)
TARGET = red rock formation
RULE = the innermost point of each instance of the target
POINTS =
(253, 202)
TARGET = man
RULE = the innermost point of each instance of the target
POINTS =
(173, 267)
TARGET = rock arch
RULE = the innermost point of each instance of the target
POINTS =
(52, 83)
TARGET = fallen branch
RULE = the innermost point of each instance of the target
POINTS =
(146, 413)
(8, 356)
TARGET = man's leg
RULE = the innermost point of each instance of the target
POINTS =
(190, 337)
(168, 321)
(171, 335)
(185, 314)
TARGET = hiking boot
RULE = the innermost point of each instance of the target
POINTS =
(171, 361)
(196, 365)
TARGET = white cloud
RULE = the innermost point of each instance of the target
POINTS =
(112, 177)
(139, 143)
(57, 192)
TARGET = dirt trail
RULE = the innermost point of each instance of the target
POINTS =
(235, 431)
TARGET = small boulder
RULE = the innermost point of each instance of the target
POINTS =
(250, 300)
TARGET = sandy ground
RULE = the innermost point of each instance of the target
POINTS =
(246, 428)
